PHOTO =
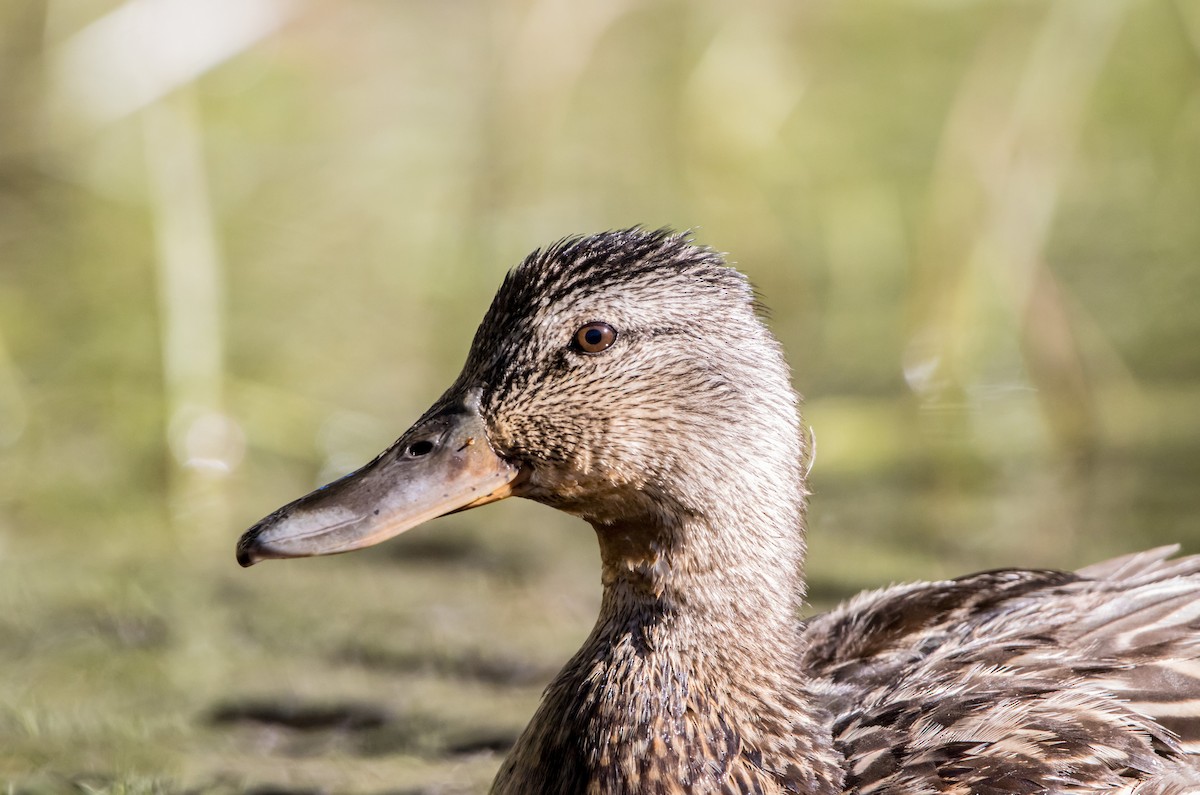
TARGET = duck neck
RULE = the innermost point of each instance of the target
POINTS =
(698, 580)
(691, 673)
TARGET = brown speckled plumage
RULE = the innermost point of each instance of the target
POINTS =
(680, 444)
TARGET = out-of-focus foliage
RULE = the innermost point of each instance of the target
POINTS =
(243, 244)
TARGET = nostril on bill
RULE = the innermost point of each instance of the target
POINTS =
(418, 449)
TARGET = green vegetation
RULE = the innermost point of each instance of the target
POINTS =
(975, 225)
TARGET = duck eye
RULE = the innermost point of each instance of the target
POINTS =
(595, 337)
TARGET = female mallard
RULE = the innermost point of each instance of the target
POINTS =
(625, 378)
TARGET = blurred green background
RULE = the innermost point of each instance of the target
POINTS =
(243, 243)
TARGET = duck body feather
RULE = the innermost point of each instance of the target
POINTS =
(1002, 682)
(1018, 681)
(626, 378)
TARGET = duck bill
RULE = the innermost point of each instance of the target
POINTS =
(441, 465)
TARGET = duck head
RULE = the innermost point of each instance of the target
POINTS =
(624, 378)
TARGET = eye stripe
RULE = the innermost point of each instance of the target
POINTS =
(595, 337)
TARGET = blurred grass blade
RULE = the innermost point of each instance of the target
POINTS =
(200, 435)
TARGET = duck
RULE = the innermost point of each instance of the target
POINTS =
(628, 378)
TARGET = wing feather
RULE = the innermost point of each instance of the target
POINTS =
(1019, 681)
